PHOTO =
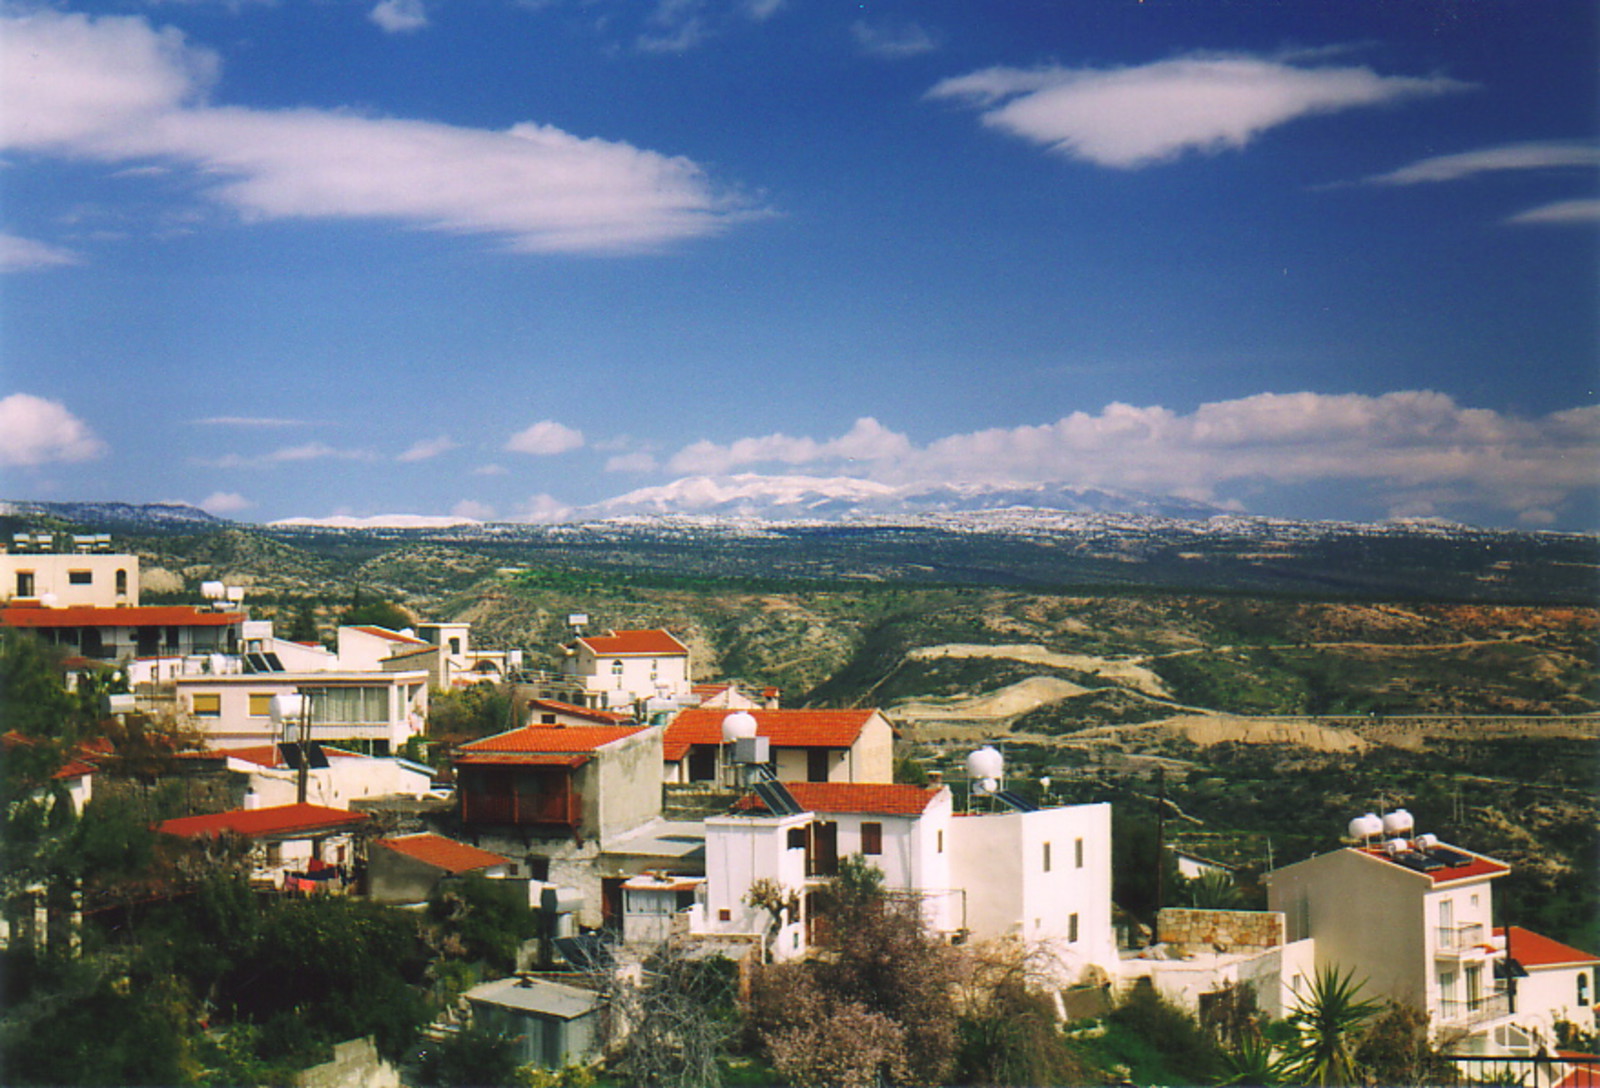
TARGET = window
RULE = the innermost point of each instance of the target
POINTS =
(455, 646)
(724, 915)
(206, 706)
(80, 577)
(1077, 853)
(1047, 857)
(350, 706)
(1072, 928)
(797, 838)
(1583, 987)
(24, 583)
(547, 719)
(616, 667)
(122, 583)
(872, 838)
(274, 853)
(260, 704)
(938, 846)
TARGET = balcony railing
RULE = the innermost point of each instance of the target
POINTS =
(1491, 1006)
(1459, 940)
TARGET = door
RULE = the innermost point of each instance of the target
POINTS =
(822, 859)
(817, 764)
(611, 903)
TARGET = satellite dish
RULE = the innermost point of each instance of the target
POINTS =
(986, 762)
(739, 725)
(1398, 822)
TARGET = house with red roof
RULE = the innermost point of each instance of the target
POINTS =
(297, 847)
(407, 868)
(559, 713)
(1414, 919)
(122, 634)
(620, 670)
(804, 745)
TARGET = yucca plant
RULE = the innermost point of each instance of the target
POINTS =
(1328, 1020)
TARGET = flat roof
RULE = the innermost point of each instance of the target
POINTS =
(536, 995)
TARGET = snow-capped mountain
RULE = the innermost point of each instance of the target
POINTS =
(784, 498)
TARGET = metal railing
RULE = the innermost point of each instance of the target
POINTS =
(1460, 938)
(1476, 1010)
(1525, 1071)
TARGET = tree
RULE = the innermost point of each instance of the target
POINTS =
(1328, 1019)
(670, 1024)
(474, 711)
(1395, 1050)
(377, 613)
(487, 920)
(1008, 1030)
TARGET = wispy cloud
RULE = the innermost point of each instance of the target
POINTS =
(117, 90)
(1526, 156)
(1136, 116)
(250, 421)
(892, 41)
(1562, 212)
(490, 470)
(544, 438)
(399, 16)
(37, 431)
(27, 255)
(310, 451)
(1415, 448)
(428, 449)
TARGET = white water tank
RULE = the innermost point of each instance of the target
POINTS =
(738, 725)
(987, 785)
(1396, 847)
(986, 762)
(1426, 842)
(1366, 826)
(1398, 822)
(286, 707)
(213, 591)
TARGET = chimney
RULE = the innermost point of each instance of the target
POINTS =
(769, 698)
(935, 779)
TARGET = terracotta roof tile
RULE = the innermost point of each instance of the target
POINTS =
(392, 636)
(443, 853)
(652, 643)
(782, 728)
(609, 717)
(552, 738)
(866, 798)
(1536, 950)
(175, 615)
(275, 820)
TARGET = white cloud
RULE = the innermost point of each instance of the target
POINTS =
(399, 16)
(490, 470)
(1526, 156)
(222, 503)
(1133, 117)
(867, 440)
(36, 431)
(1416, 449)
(543, 509)
(116, 90)
(544, 438)
(892, 41)
(25, 254)
(1585, 210)
(761, 10)
(428, 448)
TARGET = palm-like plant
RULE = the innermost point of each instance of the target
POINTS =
(1329, 1019)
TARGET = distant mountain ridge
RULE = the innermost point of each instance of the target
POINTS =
(148, 517)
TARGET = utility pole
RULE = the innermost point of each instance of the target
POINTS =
(1161, 851)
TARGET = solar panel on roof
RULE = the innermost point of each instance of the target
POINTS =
(1455, 859)
(316, 758)
(777, 798)
(1016, 801)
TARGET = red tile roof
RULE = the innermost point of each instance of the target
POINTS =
(392, 636)
(443, 853)
(653, 643)
(1580, 1070)
(867, 798)
(609, 717)
(175, 615)
(552, 738)
(523, 759)
(1479, 866)
(265, 755)
(782, 728)
(275, 820)
(1536, 950)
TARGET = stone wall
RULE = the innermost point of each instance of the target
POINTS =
(355, 1064)
(1183, 930)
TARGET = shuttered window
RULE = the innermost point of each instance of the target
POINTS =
(206, 706)
(260, 704)
(872, 838)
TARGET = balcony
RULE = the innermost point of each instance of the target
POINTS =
(1465, 941)
(1477, 1010)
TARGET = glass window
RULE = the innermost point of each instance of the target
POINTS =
(122, 582)
(346, 706)
(1047, 857)
(206, 705)
(80, 577)
(1072, 927)
(1077, 853)
(260, 704)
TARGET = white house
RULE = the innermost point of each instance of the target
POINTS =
(335, 777)
(1559, 984)
(383, 709)
(85, 576)
(805, 745)
(1415, 921)
(622, 668)
(124, 634)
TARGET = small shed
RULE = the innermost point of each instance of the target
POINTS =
(407, 868)
(552, 1024)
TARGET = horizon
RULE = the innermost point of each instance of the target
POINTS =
(513, 262)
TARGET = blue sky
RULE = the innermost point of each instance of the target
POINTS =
(512, 259)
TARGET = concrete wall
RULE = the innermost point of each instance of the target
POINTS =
(50, 573)
(355, 1064)
(741, 850)
(1365, 915)
(623, 786)
(1000, 859)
